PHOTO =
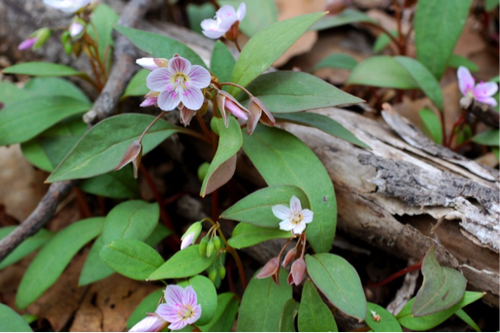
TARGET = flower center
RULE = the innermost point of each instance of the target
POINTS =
(185, 312)
(297, 218)
(180, 80)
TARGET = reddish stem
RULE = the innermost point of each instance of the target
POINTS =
(82, 203)
(457, 123)
(394, 276)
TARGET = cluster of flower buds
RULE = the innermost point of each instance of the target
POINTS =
(213, 273)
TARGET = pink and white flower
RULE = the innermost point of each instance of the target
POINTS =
(152, 323)
(152, 63)
(224, 20)
(181, 307)
(179, 82)
(481, 92)
(294, 218)
(27, 43)
(67, 6)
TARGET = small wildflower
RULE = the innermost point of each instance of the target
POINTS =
(180, 82)
(151, 98)
(76, 28)
(191, 235)
(152, 323)
(294, 218)
(375, 316)
(152, 63)
(226, 22)
(67, 6)
(481, 92)
(181, 308)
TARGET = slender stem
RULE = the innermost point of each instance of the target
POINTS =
(195, 134)
(237, 86)
(96, 76)
(414, 267)
(149, 126)
(88, 79)
(215, 204)
(466, 142)
(237, 259)
(398, 20)
(237, 45)
(443, 126)
(391, 37)
(82, 203)
(206, 132)
(457, 123)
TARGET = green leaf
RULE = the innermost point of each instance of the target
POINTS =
(183, 264)
(496, 151)
(347, 16)
(131, 258)
(468, 320)
(442, 288)
(24, 119)
(260, 14)
(11, 321)
(158, 235)
(38, 68)
(256, 208)
(222, 168)
(159, 46)
(262, 303)
(424, 79)
(438, 25)
(99, 152)
(268, 45)
(340, 283)
(28, 246)
(223, 319)
(120, 184)
(288, 314)
(457, 61)
(103, 19)
(382, 41)
(29, 318)
(222, 62)
(431, 125)
(134, 219)
(406, 319)
(487, 138)
(489, 5)
(206, 295)
(245, 235)
(314, 315)
(10, 93)
(323, 123)
(147, 305)
(386, 323)
(46, 86)
(137, 85)
(337, 60)
(197, 13)
(53, 258)
(287, 91)
(94, 268)
(283, 159)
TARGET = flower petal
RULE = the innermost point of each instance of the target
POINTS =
(168, 100)
(226, 16)
(179, 65)
(148, 101)
(26, 44)
(299, 228)
(307, 216)
(192, 98)
(189, 297)
(199, 77)
(187, 241)
(485, 89)
(282, 212)
(178, 325)
(487, 100)
(148, 63)
(174, 294)
(242, 10)
(286, 225)
(211, 29)
(159, 79)
(196, 314)
(148, 324)
(168, 312)
(295, 205)
(465, 80)
(237, 111)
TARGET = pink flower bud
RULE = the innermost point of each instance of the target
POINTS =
(228, 104)
(289, 257)
(270, 268)
(132, 154)
(258, 111)
(27, 44)
(297, 272)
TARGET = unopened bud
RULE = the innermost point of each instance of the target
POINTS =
(233, 32)
(42, 35)
(217, 242)
(191, 235)
(297, 272)
(212, 274)
(269, 268)
(132, 154)
(77, 28)
(202, 171)
(222, 272)
(258, 111)
(210, 248)
(65, 37)
(203, 246)
(68, 47)
(289, 257)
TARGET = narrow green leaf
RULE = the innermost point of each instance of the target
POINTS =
(347, 16)
(206, 295)
(137, 85)
(262, 303)
(323, 123)
(382, 41)
(268, 45)
(197, 13)
(38, 68)
(487, 138)
(222, 62)
(53, 259)
(11, 321)
(314, 315)
(23, 120)
(431, 125)
(442, 288)
(283, 159)
(223, 319)
(468, 320)
(260, 14)
(386, 321)
(99, 152)
(183, 264)
(134, 219)
(438, 25)
(406, 319)
(245, 235)
(337, 60)
(288, 314)
(94, 268)
(256, 208)
(103, 19)
(424, 79)
(288, 91)
(457, 61)
(46, 86)
(10, 93)
(159, 46)
(147, 305)
(131, 258)
(223, 165)
(28, 246)
(339, 282)
(384, 72)
(119, 184)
